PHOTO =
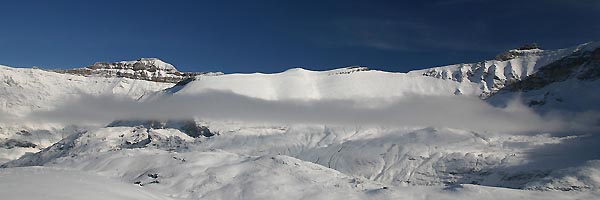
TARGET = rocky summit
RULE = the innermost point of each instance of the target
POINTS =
(150, 69)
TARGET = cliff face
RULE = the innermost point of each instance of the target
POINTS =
(521, 51)
(150, 69)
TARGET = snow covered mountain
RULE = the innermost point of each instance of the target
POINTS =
(509, 67)
(244, 158)
(124, 78)
(568, 84)
(475, 79)
(28, 90)
(25, 90)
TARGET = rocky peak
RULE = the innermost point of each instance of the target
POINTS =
(349, 70)
(525, 49)
(148, 64)
(150, 69)
(529, 47)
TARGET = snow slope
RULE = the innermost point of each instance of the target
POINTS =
(345, 83)
(493, 75)
(24, 90)
(33, 89)
(34, 183)
(411, 156)
(407, 156)
(475, 79)
(185, 168)
(248, 179)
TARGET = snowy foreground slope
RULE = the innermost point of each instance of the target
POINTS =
(50, 183)
(349, 133)
(171, 164)
(67, 184)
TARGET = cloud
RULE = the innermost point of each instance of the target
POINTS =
(421, 111)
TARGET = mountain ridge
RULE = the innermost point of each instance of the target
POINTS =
(491, 75)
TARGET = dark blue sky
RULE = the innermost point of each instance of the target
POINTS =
(271, 36)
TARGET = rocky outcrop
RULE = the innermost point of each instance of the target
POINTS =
(521, 51)
(349, 70)
(189, 127)
(12, 143)
(150, 69)
(592, 70)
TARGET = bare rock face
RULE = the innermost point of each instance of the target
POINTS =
(513, 53)
(189, 127)
(150, 69)
(349, 70)
(591, 71)
(529, 46)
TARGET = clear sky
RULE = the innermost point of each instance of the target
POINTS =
(271, 36)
